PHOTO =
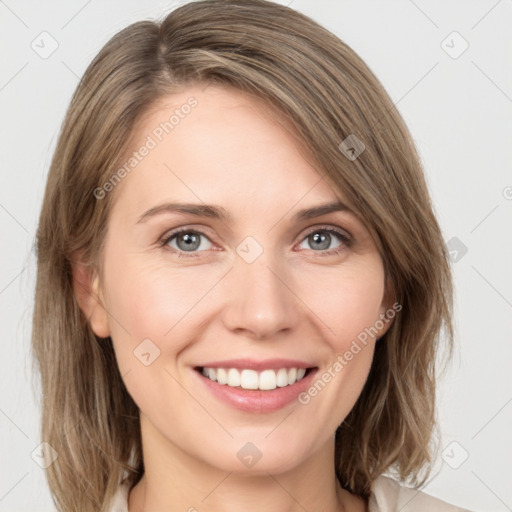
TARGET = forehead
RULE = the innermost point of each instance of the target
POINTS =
(219, 144)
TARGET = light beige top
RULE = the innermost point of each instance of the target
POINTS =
(386, 495)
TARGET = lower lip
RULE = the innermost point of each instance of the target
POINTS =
(255, 400)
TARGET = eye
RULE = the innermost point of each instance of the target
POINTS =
(186, 241)
(322, 240)
(190, 243)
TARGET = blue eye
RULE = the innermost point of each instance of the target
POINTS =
(190, 243)
(321, 238)
(186, 240)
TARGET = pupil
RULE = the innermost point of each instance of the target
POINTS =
(323, 238)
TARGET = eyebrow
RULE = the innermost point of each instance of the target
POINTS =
(200, 210)
(218, 212)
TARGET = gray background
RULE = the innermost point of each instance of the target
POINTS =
(458, 108)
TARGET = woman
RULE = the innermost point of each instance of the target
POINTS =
(197, 350)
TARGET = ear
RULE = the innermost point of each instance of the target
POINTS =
(388, 309)
(86, 287)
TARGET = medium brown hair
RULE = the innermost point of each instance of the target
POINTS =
(320, 85)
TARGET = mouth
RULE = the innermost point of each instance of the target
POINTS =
(256, 387)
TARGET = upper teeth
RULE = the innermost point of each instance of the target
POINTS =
(251, 379)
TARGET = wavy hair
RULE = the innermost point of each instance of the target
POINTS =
(325, 90)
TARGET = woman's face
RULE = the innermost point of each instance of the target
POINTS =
(254, 292)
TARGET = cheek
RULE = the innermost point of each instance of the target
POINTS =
(347, 301)
(350, 305)
(153, 301)
(147, 306)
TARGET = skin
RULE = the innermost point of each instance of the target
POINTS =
(291, 302)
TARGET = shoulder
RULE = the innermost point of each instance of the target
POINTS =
(387, 495)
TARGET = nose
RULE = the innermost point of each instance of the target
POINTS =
(260, 302)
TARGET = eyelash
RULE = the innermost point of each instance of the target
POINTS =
(345, 238)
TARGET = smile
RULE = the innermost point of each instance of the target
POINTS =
(254, 386)
(251, 379)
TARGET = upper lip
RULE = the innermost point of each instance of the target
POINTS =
(252, 364)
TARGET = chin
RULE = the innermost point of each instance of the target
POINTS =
(257, 457)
